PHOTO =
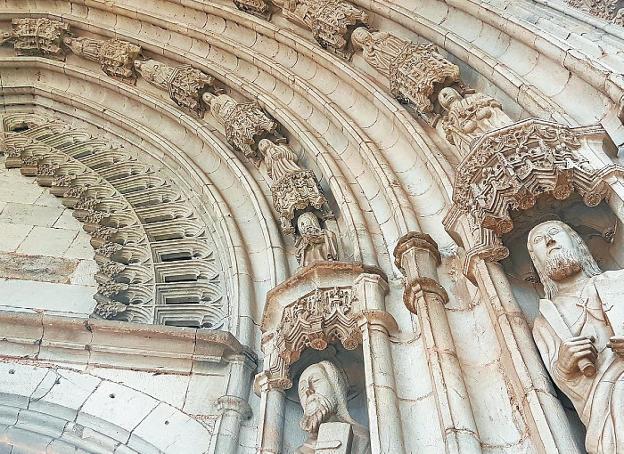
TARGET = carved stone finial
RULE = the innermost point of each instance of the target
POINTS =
(115, 56)
(416, 72)
(245, 123)
(313, 243)
(40, 37)
(331, 21)
(185, 84)
(468, 118)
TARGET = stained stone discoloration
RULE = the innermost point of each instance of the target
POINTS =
(37, 268)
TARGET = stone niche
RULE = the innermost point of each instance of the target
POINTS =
(351, 362)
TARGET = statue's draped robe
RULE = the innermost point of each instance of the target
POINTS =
(599, 400)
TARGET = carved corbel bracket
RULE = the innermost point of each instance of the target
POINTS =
(509, 168)
(320, 305)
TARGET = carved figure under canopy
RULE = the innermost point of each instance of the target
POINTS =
(331, 21)
(279, 159)
(323, 395)
(245, 123)
(416, 72)
(40, 37)
(185, 84)
(580, 331)
(469, 117)
(115, 56)
(314, 243)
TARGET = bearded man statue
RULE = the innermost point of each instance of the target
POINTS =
(323, 396)
(579, 331)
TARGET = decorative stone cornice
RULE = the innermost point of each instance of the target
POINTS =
(415, 240)
(103, 343)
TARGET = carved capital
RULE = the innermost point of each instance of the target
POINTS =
(423, 287)
(415, 240)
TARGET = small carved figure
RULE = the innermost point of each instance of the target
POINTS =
(323, 395)
(314, 243)
(469, 117)
(331, 21)
(416, 72)
(40, 37)
(115, 56)
(244, 123)
(580, 331)
(185, 84)
(279, 159)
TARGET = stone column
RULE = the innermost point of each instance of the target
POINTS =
(545, 415)
(418, 257)
(234, 406)
(386, 433)
(271, 417)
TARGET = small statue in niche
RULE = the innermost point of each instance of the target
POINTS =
(580, 331)
(470, 117)
(279, 159)
(314, 244)
(415, 71)
(323, 396)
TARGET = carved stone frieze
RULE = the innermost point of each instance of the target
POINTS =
(416, 72)
(245, 123)
(116, 57)
(322, 317)
(185, 84)
(132, 232)
(331, 21)
(609, 10)
(40, 37)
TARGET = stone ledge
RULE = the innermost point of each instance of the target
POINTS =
(110, 343)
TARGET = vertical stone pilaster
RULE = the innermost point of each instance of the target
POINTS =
(271, 417)
(417, 256)
(386, 433)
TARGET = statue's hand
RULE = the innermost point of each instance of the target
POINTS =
(574, 350)
(616, 343)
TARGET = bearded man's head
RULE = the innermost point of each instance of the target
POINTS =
(558, 252)
(323, 395)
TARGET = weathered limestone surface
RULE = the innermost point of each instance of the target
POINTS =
(306, 222)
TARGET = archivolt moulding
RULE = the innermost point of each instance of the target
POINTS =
(155, 258)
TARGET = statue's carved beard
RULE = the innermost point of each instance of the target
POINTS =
(563, 264)
(316, 412)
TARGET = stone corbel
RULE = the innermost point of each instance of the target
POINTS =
(38, 37)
